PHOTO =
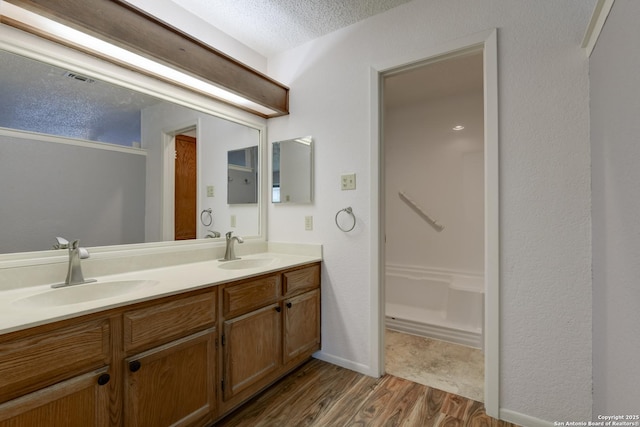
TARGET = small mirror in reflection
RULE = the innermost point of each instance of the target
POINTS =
(242, 176)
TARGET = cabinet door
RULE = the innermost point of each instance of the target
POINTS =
(252, 348)
(78, 402)
(301, 325)
(172, 384)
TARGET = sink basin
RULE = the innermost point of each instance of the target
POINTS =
(242, 264)
(83, 293)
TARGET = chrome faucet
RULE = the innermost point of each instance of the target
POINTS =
(230, 252)
(74, 272)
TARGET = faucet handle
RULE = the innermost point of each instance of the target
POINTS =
(83, 253)
(228, 234)
(62, 243)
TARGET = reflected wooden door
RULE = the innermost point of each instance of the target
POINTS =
(185, 188)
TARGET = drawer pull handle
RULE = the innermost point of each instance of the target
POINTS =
(134, 366)
(103, 379)
(289, 305)
(278, 309)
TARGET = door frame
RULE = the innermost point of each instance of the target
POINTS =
(487, 42)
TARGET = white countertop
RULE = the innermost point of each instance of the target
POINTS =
(168, 281)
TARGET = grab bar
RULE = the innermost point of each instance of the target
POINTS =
(432, 222)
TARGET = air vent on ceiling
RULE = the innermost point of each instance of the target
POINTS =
(78, 77)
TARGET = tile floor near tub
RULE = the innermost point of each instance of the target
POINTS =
(438, 364)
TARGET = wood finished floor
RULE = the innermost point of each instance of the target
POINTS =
(324, 395)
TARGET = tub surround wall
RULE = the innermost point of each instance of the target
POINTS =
(442, 171)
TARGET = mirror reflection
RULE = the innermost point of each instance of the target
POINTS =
(242, 176)
(292, 171)
(88, 160)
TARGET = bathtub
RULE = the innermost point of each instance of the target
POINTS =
(443, 304)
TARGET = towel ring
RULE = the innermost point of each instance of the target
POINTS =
(350, 212)
(207, 211)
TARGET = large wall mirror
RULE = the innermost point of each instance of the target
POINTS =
(109, 165)
(292, 164)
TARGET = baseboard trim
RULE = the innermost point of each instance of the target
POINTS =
(443, 333)
(522, 419)
(344, 363)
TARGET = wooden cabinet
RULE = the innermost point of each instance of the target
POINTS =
(57, 376)
(251, 349)
(173, 381)
(172, 384)
(301, 325)
(270, 325)
(157, 363)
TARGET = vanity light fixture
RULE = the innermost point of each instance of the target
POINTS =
(42, 26)
(458, 127)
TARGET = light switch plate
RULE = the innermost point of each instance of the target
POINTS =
(348, 181)
(210, 190)
(308, 223)
(233, 220)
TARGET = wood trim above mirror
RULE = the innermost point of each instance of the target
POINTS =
(119, 23)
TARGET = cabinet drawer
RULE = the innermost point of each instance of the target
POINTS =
(301, 280)
(167, 321)
(247, 296)
(39, 360)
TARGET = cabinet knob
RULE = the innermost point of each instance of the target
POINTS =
(103, 379)
(134, 365)
(289, 305)
(278, 309)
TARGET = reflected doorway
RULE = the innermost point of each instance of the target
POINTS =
(185, 187)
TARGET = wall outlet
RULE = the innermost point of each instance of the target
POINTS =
(348, 181)
(210, 190)
(308, 223)
(233, 221)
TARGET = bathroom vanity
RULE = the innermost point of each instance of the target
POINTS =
(162, 355)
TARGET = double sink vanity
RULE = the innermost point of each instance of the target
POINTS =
(177, 345)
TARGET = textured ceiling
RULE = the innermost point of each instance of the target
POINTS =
(272, 26)
(40, 98)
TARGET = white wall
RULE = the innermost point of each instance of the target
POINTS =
(442, 170)
(545, 355)
(615, 103)
(54, 186)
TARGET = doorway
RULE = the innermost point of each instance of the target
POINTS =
(485, 41)
(433, 142)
